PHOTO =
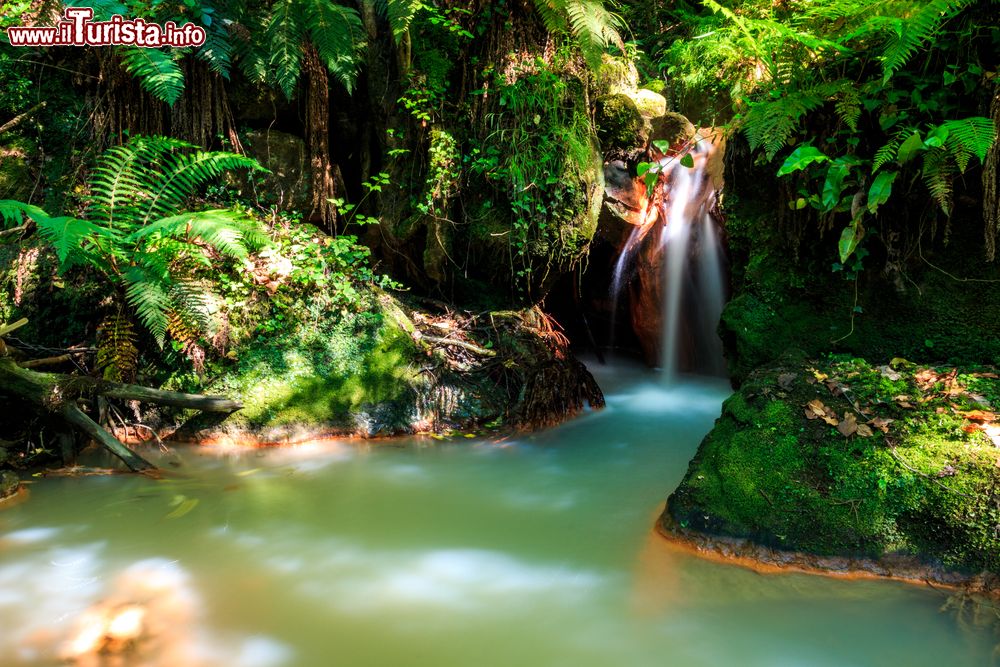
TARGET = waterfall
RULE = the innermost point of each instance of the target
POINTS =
(679, 240)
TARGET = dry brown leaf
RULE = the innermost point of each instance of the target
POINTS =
(864, 431)
(993, 376)
(888, 373)
(979, 416)
(881, 423)
(848, 426)
(815, 408)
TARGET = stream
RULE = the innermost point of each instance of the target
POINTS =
(534, 551)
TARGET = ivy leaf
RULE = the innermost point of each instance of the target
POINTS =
(687, 161)
(642, 168)
(881, 189)
(802, 157)
(849, 240)
(910, 147)
(661, 145)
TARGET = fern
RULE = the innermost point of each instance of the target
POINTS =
(335, 30)
(771, 124)
(137, 238)
(117, 354)
(969, 137)
(588, 22)
(338, 35)
(907, 35)
(939, 174)
(887, 153)
(399, 13)
(158, 71)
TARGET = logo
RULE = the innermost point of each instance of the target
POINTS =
(77, 29)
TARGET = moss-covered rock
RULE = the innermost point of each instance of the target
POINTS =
(619, 123)
(395, 369)
(917, 475)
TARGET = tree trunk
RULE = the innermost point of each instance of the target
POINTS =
(324, 188)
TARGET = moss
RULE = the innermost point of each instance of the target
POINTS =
(616, 75)
(619, 123)
(927, 487)
(325, 374)
(657, 86)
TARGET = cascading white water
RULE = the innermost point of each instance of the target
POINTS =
(688, 262)
(694, 287)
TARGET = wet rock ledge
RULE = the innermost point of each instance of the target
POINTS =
(853, 468)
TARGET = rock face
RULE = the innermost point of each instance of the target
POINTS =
(284, 155)
(828, 459)
(9, 484)
(635, 127)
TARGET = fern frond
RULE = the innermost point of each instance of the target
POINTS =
(848, 108)
(147, 292)
(338, 34)
(13, 212)
(285, 34)
(117, 354)
(887, 153)
(939, 174)
(969, 137)
(183, 173)
(770, 124)
(907, 35)
(228, 232)
(158, 72)
(72, 238)
(399, 13)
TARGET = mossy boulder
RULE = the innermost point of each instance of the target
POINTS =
(843, 458)
(616, 75)
(395, 369)
(619, 123)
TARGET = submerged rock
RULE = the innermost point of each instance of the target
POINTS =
(9, 483)
(897, 465)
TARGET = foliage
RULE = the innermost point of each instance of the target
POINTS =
(592, 26)
(135, 236)
(538, 146)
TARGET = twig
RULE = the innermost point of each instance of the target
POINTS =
(47, 361)
(14, 230)
(459, 343)
(17, 120)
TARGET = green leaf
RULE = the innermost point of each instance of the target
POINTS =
(849, 240)
(881, 189)
(687, 161)
(642, 168)
(910, 148)
(833, 185)
(802, 157)
(661, 145)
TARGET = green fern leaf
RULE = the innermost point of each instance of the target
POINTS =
(906, 36)
(338, 35)
(285, 34)
(158, 72)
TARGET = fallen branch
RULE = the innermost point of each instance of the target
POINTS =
(20, 118)
(56, 393)
(459, 343)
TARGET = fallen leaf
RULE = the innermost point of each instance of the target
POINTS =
(979, 416)
(817, 407)
(864, 431)
(881, 423)
(896, 362)
(947, 471)
(819, 376)
(993, 376)
(848, 426)
(888, 373)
